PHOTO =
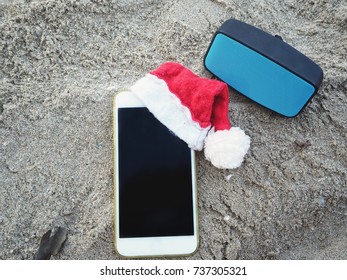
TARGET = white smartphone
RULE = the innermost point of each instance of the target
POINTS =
(155, 184)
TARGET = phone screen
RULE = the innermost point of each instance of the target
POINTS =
(155, 178)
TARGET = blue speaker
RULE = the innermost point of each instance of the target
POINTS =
(263, 67)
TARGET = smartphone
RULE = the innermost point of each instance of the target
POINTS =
(155, 184)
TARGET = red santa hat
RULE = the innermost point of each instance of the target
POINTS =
(196, 110)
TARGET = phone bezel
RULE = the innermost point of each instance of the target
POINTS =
(149, 246)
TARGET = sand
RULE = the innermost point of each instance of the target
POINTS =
(61, 63)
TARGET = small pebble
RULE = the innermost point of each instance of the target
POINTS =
(228, 177)
(226, 218)
(321, 201)
(302, 143)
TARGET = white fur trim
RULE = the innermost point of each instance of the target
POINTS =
(169, 110)
(226, 148)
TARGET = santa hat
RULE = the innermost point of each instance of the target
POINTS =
(196, 110)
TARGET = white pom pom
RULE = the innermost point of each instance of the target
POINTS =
(226, 148)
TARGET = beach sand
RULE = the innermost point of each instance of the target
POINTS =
(62, 62)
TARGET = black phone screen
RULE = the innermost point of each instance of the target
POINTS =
(155, 178)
